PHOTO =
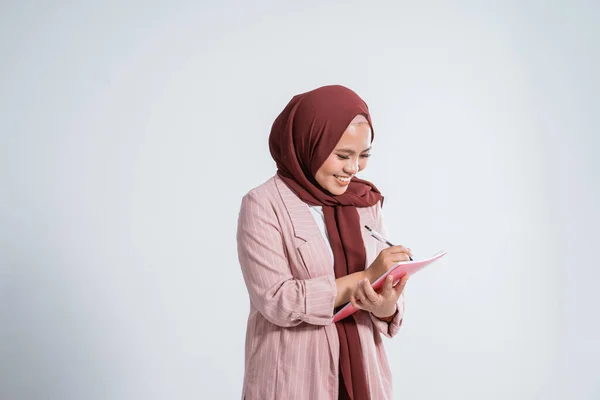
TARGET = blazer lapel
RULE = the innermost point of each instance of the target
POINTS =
(311, 245)
(303, 222)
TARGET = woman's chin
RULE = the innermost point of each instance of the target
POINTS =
(337, 190)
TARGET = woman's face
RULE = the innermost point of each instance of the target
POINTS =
(349, 156)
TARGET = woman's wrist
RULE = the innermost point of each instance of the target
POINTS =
(368, 273)
(389, 317)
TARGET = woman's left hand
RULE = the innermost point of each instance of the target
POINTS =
(381, 305)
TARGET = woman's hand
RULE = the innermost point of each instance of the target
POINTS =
(386, 259)
(381, 305)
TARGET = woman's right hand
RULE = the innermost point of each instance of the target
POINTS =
(386, 259)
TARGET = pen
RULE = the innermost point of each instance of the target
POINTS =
(381, 238)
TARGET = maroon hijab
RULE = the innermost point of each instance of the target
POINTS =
(302, 138)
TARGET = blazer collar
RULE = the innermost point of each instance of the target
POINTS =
(303, 222)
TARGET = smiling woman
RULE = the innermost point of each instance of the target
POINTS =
(303, 254)
(348, 158)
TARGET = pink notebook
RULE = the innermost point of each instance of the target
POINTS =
(398, 271)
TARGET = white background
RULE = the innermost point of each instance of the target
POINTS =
(130, 132)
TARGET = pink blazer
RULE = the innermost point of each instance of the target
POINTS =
(292, 347)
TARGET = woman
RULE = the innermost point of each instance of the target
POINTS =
(304, 253)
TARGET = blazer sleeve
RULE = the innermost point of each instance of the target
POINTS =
(278, 296)
(388, 329)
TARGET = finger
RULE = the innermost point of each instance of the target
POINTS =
(355, 303)
(388, 286)
(396, 258)
(398, 249)
(399, 288)
(360, 293)
(401, 257)
(369, 292)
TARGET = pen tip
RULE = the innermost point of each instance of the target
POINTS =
(366, 226)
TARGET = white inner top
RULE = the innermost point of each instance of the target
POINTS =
(317, 213)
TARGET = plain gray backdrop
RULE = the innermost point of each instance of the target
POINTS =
(131, 130)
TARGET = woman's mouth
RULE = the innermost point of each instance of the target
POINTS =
(343, 180)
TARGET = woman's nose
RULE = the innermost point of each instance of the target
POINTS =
(352, 166)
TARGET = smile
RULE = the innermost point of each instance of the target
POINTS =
(343, 179)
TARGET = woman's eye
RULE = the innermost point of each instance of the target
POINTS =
(343, 157)
(365, 155)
